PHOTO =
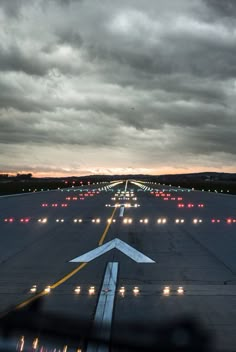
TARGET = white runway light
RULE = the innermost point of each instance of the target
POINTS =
(179, 221)
(197, 221)
(166, 291)
(180, 290)
(33, 289)
(44, 220)
(161, 221)
(77, 290)
(47, 289)
(127, 221)
(91, 290)
(122, 291)
(136, 291)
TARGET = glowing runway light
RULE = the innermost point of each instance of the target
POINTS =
(122, 291)
(33, 289)
(166, 291)
(35, 343)
(77, 290)
(47, 289)
(91, 290)
(20, 345)
(136, 291)
(180, 290)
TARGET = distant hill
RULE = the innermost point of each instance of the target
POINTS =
(195, 177)
(201, 176)
(210, 181)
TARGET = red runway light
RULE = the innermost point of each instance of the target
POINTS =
(180, 205)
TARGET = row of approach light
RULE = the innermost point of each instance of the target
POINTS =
(124, 220)
(80, 196)
(125, 194)
(54, 205)
(190, 205)
(166, 195)
(124, 198)
(167, 290)
(126, 205)
(77, 290)
(91, 290)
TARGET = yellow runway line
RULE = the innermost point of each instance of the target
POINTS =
(107, 228)
(62, 280)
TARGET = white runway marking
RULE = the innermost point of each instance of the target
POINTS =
(104, 310)
(122, 209)
(131, 252)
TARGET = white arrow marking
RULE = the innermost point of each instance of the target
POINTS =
(118, 244)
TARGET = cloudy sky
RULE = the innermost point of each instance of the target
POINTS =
(91, 86)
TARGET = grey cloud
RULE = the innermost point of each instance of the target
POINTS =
(11, 98)
(12, 8)
(105, 75)
(20, 130)
(222, 8)
(14, 59)
(177, 53)
(65, 2)
(210, 140)
(70, 36)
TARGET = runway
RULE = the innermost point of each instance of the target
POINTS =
(170, 252)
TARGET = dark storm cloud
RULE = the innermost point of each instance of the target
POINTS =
(200, 51)
(222, 8)
(14, 59)
(208, 141)
(70, 36)
(122, 76)
(66, 2)
(21, 129)
(12, 8)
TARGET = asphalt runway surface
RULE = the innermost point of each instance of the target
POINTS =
(163, 253)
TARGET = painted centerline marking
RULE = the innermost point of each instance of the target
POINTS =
(122, 209)
(104, 310)
(126, 183)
